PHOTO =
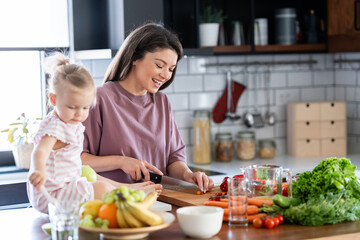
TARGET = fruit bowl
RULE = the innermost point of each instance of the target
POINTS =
(132, 233)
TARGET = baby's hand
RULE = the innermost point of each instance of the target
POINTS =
(37, 179)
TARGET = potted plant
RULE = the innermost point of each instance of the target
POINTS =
(210, 21)
(20, 134)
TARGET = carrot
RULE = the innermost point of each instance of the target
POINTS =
(252, 209)
(259, 202)
(250, 217)
(216, 204)
(251, 201)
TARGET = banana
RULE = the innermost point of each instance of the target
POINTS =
(144, 215)
(149, 200)
(120, 217)
(130, 219)
(90, 207)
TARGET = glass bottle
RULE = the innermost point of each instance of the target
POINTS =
(202, 137)
(224, 150)
(267, 148)
(245, 145)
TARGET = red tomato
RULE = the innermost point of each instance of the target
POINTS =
(257, 222)
(281, 218)
(269, 223)
(276, 221)
(241, 176)
(263, 219)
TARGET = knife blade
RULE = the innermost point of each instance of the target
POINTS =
(179, 185)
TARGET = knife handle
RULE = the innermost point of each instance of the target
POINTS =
(155, 178)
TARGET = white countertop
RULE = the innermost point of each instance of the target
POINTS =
(296, 165)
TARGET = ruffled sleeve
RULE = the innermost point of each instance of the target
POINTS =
(67, 133)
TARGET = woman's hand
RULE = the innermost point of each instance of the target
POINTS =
(134, 167)
(201, 179)
(37, 178)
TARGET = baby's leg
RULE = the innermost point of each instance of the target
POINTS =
(101, 187)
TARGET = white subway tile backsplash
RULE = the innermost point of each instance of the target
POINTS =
(99, 67)
(313, 94)
(179, 101)
(203, 100)
(188, 83)
(280, 129)
(284, 96)
(214, 82)
(185, 135)
(299, 79)
(87, 64)
(197, 86)
(340, 94)
(184, 119)
(277, 80)
(98, 81)
(347, 77)
(324, 78)
(182, 66)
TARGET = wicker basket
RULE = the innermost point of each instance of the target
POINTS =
(22, 155)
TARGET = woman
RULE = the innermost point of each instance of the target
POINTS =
(132, 129)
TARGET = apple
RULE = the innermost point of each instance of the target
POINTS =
(88, 172)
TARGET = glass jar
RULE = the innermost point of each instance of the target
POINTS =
(224, 150)
(267, 148)
(245, 145)
(202, 137)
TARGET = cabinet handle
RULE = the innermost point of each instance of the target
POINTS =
(332, 140)
(332, 122)
(307, 140)
(308, 123)
(356, 19)
(308, 105)
(332, 104)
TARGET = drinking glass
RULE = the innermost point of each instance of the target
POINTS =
(64, 218)
(238, 201)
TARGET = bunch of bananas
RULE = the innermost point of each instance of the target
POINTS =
(132, 210)
(133, 215)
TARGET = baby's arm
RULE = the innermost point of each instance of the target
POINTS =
(39, 156)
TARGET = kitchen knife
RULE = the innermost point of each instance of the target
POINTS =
(175, 184)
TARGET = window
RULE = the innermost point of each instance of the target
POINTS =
(28, 30)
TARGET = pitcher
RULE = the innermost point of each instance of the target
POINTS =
(266, 180)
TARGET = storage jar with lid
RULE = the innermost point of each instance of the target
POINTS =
(224, 150)
(202, 137)
(267, 148)
(245, 145)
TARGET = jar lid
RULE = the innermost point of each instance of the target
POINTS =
(202, 113)
(223, 136)
(246, 134)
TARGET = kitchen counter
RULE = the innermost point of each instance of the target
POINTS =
(296, 165)
(26, 224)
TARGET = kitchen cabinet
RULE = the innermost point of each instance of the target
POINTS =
(316, 129)
(343, 26)
(246, 12)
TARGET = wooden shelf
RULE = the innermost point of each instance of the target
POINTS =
(232, 49)
(291, 48)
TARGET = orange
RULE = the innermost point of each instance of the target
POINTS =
(108, 211)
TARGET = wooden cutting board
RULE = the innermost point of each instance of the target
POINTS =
(186, 198)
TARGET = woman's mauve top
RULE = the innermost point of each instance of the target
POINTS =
(141, 127)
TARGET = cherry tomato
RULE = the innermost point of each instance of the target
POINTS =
(281, 218)
(257, 222)
(276, 221)
(263, 219)
(269, 223)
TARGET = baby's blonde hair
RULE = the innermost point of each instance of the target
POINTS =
(61, 70)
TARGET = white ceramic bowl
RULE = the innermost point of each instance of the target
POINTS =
(200, 221)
